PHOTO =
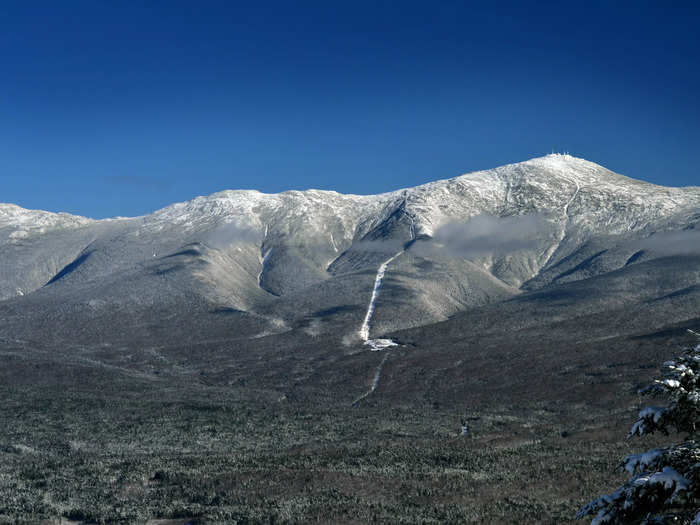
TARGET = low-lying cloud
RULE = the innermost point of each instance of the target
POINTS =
(487, 235)
(685, 242)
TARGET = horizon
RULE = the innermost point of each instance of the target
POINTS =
(122, 110)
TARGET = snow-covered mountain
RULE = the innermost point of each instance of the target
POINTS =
(309, 259)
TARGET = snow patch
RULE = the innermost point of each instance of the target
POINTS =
(380, 344)
(19, 234)
(643, 461)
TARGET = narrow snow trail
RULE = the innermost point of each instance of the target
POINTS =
(364, 329)
(375, 381)
(379, 344)
(566, 207)
(263, 256)
(263, 260)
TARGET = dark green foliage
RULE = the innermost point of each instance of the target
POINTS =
(664, 486)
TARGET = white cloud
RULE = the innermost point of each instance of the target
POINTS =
(487, 235)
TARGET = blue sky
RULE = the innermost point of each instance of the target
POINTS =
(119, 108)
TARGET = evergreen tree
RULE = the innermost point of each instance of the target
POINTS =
(664, 483)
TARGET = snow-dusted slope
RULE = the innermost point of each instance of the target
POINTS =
(310, 258)
(32, 222)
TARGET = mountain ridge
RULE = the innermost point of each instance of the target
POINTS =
(449, 245)
(550, 160)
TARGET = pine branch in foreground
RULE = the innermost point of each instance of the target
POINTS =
(664, 483)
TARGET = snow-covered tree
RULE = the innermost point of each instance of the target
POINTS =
(664, 483)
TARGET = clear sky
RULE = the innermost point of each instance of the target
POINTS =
(122, 107)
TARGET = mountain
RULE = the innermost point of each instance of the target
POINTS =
(312, 356)
(309, 259)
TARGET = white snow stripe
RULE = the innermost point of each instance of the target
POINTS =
(364, 329)
(375, 381)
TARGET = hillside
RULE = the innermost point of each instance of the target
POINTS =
(309, 355)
